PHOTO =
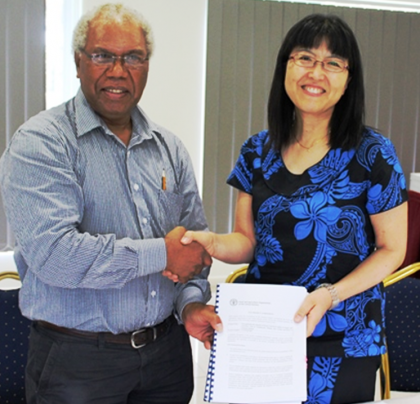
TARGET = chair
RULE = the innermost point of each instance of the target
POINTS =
(400, 366)
(413, 242)
(238, 275)
(14, 335)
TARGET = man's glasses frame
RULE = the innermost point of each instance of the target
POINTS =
(106, 59)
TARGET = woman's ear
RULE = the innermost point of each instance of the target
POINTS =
(347, 84)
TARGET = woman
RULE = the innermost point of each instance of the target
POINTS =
(322, 204)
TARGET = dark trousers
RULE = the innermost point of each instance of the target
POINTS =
(63, 369)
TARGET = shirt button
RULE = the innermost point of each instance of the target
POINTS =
(153, 293)
(136, 187)
(144, 220)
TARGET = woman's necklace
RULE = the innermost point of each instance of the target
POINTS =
(313, 145)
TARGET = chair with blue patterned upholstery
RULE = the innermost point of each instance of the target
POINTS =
(14, 335)
(401, 364)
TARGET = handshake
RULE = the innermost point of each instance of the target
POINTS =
(185, 256)
(188, 252)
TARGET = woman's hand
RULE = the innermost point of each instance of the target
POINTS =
(206, 239)
(314, 307)
(233, 248)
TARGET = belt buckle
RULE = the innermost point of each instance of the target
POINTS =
(143, 330)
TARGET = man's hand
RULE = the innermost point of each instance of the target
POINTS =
(200, 321)
(184, 261)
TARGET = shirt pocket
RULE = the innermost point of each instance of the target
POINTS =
(170, 206)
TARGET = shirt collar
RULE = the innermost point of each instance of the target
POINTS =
(87, 120)
(85, 117)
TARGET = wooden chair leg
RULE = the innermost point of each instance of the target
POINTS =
(385, 377)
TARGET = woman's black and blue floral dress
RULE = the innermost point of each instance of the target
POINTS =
(314, 228)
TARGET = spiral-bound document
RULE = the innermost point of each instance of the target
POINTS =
(260, 356)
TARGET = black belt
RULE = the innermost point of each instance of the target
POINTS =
(137, 339)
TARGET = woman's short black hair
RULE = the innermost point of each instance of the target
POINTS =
(347, 121)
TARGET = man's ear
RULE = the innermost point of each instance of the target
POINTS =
(77, 63)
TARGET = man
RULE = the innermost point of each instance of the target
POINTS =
(98, 197)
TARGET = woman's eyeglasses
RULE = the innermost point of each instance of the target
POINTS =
(333, 64)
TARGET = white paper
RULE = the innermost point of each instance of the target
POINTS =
(260, 357)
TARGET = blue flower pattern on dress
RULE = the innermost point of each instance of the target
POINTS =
(316, 215)
(364, 342)
(268, 249)
(346, 235)
(322, 380)
(334, 318)
(330, 211)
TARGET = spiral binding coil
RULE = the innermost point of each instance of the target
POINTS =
(208, 391)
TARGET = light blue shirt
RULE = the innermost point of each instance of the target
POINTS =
(89, 215)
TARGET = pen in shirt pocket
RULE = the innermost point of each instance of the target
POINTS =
(163, 180)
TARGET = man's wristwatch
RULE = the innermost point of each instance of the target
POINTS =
(333, 292)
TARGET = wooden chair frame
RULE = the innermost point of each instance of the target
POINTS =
(236, 274)
(9, 275)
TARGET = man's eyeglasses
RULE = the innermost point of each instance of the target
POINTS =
(333, 65)
(105, 59)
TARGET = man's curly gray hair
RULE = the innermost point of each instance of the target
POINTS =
(111, 13)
